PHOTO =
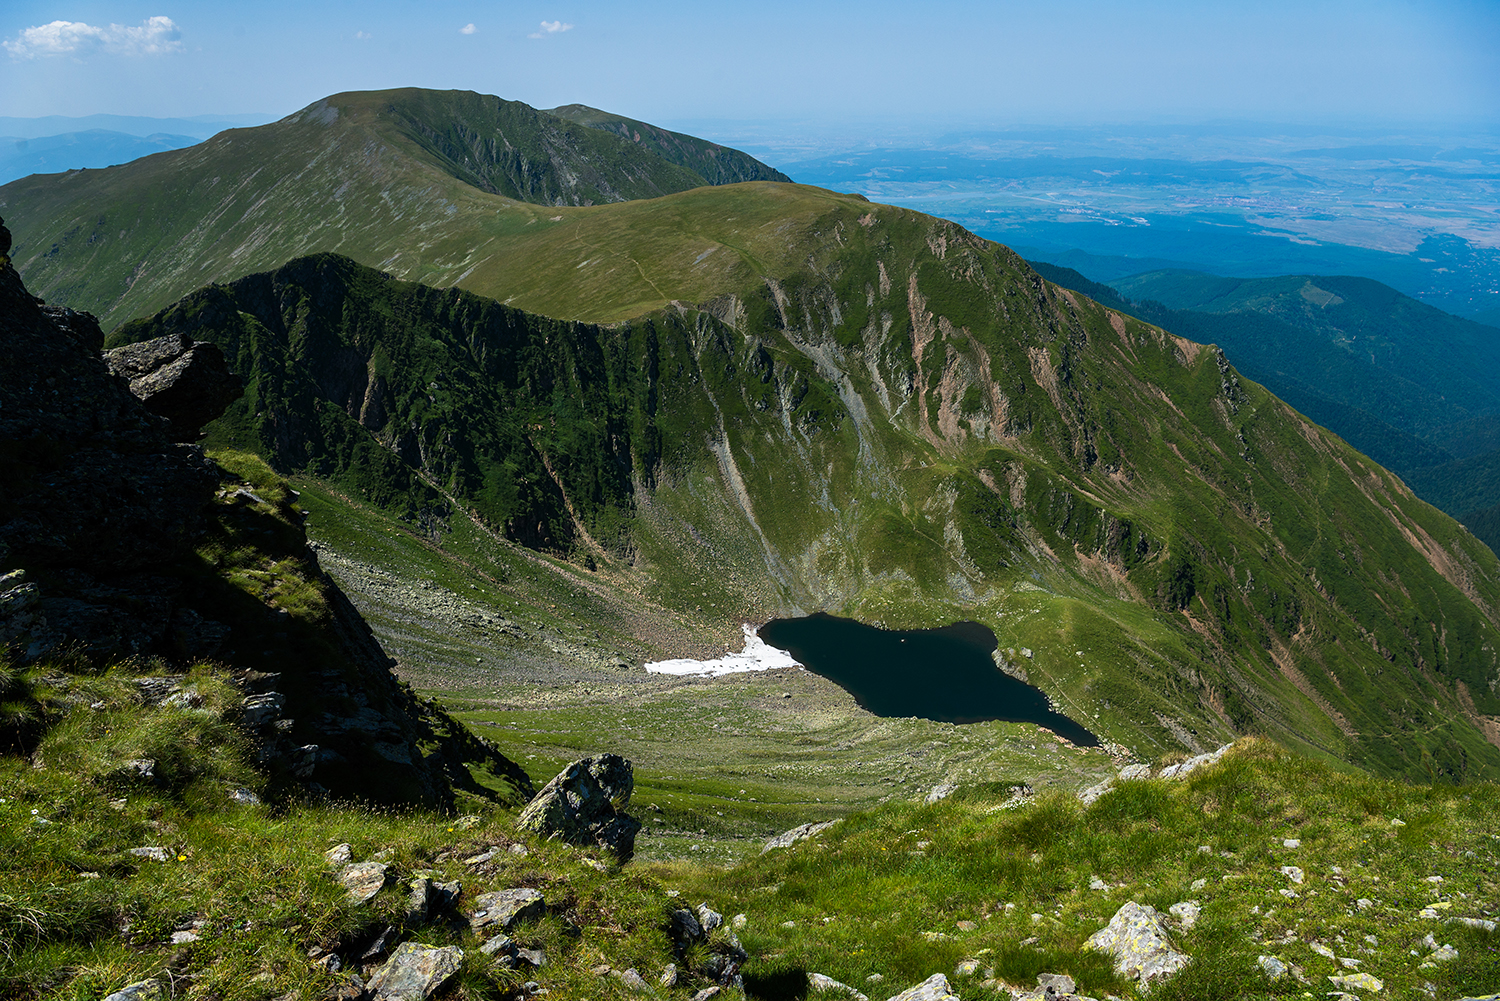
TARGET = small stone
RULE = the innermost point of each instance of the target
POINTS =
(505, 946)
(1275, 968)
(1444, 954)
(668, 976)
(506, 907)
(1056, 983)
(939, 792)
(482, 857)
(244, 797)
(819, 983)
(707, 992)
(153, 853)
(934, 988)
(141, 990)
(1322, 950)
(1095, 883)
(788, 838)
(536, 957)
(1198, 884)
(362, 879)
(1293, 873)
(1363, 981)
(738, 922)
(1091, 795)
(634, 982)
(708, 918)
(415, 972)
(519, 850)
(1135, 772)
(1186, 912)
(339, 855)
(1291, 843)
(1397, 822)
(184, 937)
(1364, 903)
(966, 968)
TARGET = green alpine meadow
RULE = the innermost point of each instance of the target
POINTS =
(340, 554)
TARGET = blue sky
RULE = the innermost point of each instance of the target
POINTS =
(1073, 61)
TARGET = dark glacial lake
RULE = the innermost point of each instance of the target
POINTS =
(944, 674)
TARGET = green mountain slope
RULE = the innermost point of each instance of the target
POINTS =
(1454, 362)
(716, 164)
(882, 415)
(411, 180)
(1413, 387)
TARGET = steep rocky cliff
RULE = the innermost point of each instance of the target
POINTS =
(122, 543)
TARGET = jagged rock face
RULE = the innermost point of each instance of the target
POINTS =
(92, 481)
(184, 381)
(585, 805)
(101, 514)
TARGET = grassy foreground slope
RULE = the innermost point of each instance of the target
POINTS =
(237, 900)
(388, 177)
(874, 412)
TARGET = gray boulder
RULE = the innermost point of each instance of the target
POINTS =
(818, 983)
(415, 972)
(504, 908)
(184, 381)
(934, 988)
(585, 805)
(143, 990)
(788, 838)
(1137, 937)
(363, 880)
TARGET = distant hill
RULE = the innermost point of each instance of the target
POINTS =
(418, 182)
(714, 163)
(75, 150)
(1413, 387)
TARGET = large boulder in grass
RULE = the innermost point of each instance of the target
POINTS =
(585, 805)
(415, 972)
(1138, 939)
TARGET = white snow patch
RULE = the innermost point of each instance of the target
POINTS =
(757, 656)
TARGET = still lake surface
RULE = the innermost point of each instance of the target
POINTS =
(944, 674)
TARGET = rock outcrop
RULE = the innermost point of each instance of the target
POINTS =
(118, 540)
(1137, 937)
(585, 805)
(185, 381)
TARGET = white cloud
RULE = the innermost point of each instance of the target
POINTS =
(154, 36)
(468, 29)
(551, 28)
(363, 36)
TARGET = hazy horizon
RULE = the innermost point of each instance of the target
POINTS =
(1384, 64)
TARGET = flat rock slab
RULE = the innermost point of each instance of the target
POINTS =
(934, 988)
(788, 838)
(504, 908)
(362, 879)
(1137, 937)
(415, 972)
